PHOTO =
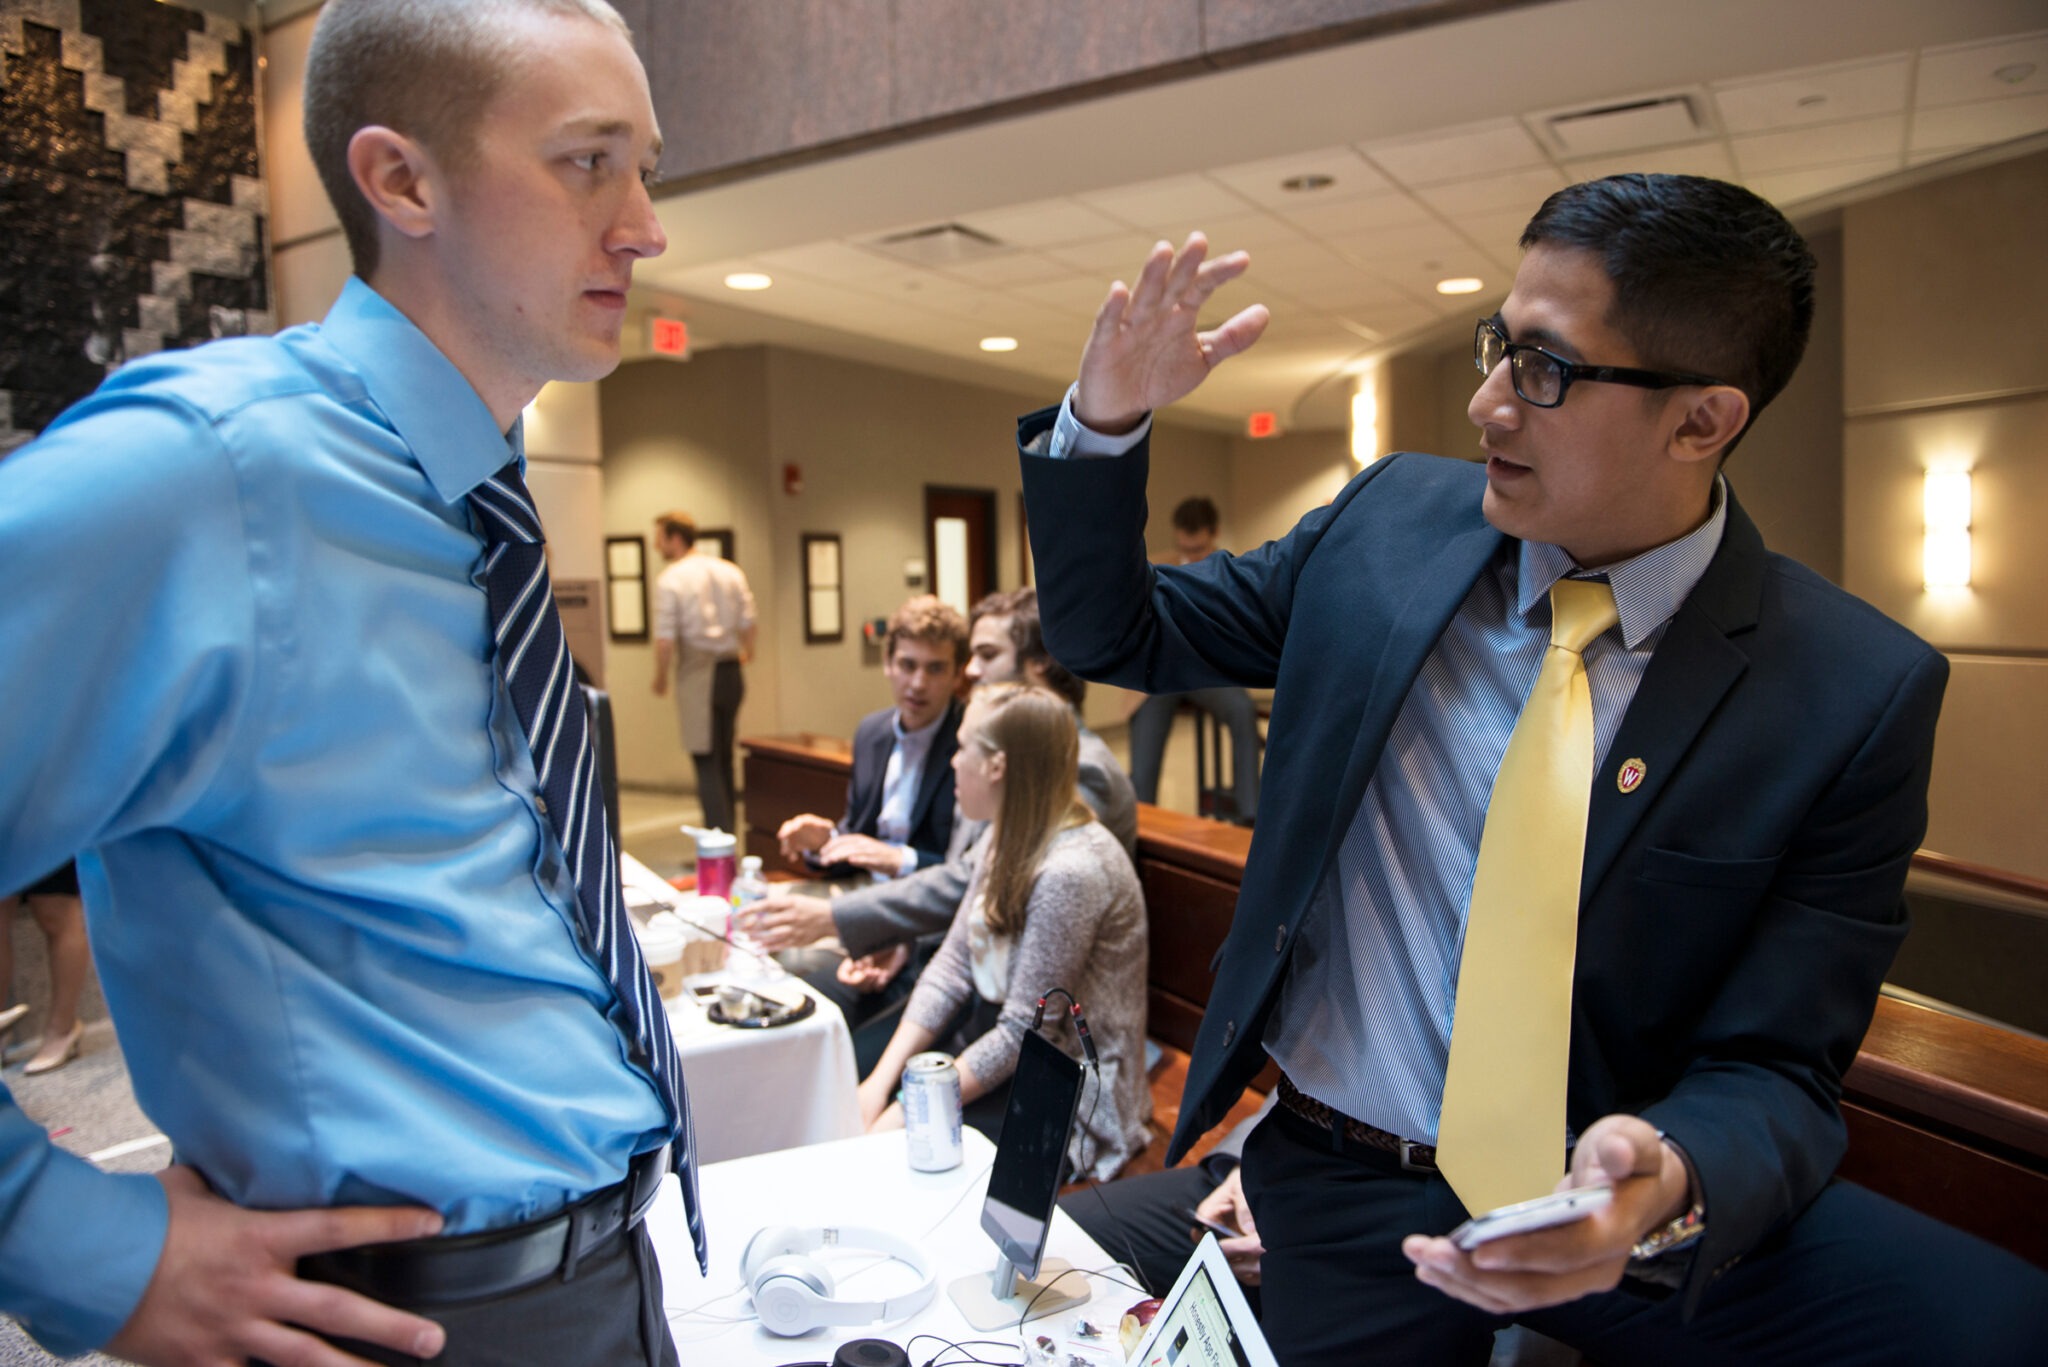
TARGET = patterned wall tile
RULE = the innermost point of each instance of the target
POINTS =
(132, 217)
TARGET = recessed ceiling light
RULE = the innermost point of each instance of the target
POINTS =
(999, 344)
(2015, 73)
(747, 280)
(1460, 284)
(1304, 184)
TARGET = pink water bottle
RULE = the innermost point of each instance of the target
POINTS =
(716, 861)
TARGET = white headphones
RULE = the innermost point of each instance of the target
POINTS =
(793, 1294)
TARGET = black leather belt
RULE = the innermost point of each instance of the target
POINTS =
(422, 1272)
(1342, 1130)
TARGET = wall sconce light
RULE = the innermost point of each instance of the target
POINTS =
(1945, 556)
(1365, 419)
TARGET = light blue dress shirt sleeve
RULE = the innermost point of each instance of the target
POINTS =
(1073, 440)
(65, 1224)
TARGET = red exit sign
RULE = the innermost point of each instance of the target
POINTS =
(668, 337)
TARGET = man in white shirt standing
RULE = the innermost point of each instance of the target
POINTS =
(703, 632)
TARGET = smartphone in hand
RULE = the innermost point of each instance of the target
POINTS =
(1198, 1222)
(1558, 1208)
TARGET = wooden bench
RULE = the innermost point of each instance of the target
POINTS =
(1945, 1114)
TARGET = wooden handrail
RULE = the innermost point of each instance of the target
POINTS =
(2002, 880)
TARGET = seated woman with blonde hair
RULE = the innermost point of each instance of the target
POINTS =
(1053, 903)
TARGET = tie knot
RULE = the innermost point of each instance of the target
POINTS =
(1580, 609)
(506, 508)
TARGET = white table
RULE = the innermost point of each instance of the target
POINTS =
(753, 1091)
(867, 1182)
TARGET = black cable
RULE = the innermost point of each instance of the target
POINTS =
(947, 1345)
(1103, 1273)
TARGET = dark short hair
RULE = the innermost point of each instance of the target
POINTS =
(424, 68)
(1027, 638)
(677, 524)
(1197, 514)
(925, 618)
(1708, 277)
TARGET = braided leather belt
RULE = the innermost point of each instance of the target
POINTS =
(1414, 1157)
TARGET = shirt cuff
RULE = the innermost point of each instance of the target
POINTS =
(1071, 440)
(908, 864)
(77, 1246)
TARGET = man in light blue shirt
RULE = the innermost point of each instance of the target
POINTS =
(332, 918)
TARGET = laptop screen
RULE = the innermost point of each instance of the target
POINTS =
(1204, 1320)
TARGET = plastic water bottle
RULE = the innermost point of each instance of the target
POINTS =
(749, 887)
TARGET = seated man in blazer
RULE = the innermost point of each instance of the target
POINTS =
(1733, 756)
(899, 801)
(877, 925)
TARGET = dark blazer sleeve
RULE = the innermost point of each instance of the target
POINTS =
(1111, 615)
(931, 820)
(872, 741)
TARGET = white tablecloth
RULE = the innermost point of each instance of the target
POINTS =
(868, 1182)
(753, 1091)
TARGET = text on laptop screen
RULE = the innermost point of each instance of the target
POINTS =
(1197, 1331)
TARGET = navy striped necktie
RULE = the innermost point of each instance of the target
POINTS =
(534, 659)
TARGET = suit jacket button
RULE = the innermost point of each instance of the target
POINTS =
(1279, 938)
(1229, 1032)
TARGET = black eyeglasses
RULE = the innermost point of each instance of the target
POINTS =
(1544, 377)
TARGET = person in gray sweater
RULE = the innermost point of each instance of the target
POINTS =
(877, 925)
(1052, 903)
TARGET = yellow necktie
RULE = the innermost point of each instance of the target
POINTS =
(1501, 1136)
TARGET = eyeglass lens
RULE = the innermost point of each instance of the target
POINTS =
(1536, 376)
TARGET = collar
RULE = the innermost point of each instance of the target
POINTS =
(1648, 588)
(922, 736)
(433, 407)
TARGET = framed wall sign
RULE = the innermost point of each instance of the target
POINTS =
(824, 604)
(625, 578)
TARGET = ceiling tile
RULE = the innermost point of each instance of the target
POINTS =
(1075, 294)
(1260, 181)
(1957, 75)
(1976, 125)
(1043, 224)
(1368, 213)
(1498, 234)
(1823, 145)
(1786, 188)
(1699, 159)
(1457, 153)
(841, 261)
(1009, 268)
(1250, 232)
(1822, 94)
(1512, 190)
(1175, 200)
(1368, 249)
(1111, 258)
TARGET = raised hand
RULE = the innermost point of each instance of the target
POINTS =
(1146, 350)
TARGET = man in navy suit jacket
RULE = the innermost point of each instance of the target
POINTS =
(899, 800)
(1763, 744)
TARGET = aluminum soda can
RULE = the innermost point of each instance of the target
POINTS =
(931, 1112)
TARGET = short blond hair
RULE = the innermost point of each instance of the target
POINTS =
(424, 68)
(925, 618)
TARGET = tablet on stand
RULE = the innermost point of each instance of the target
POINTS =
(1031, 1154)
